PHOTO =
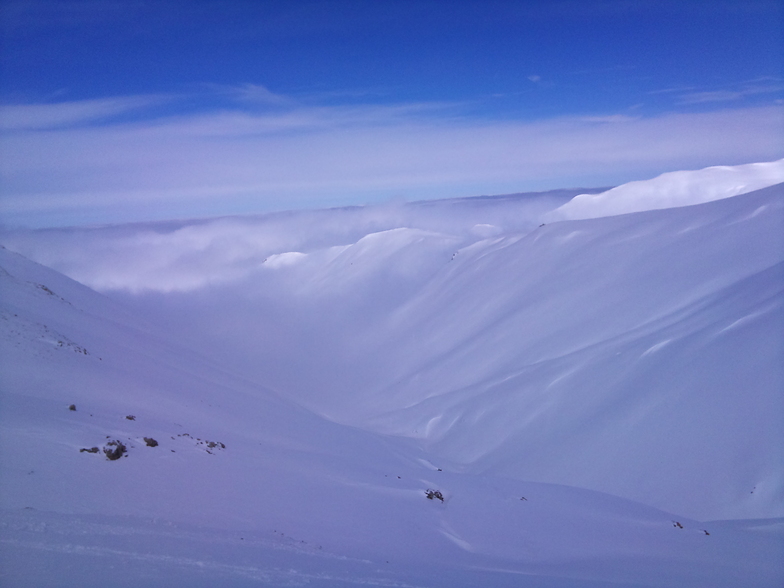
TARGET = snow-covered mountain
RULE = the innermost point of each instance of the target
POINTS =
(597, 400)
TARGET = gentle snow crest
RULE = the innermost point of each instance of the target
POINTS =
(680, 188)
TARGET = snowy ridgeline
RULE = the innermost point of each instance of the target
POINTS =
(451, 393)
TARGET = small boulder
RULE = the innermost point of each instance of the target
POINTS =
(114, 450)
(150, 442)
(431, 494)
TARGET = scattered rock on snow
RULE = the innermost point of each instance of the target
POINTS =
(150, 442)
(114, 449)
(431, 494)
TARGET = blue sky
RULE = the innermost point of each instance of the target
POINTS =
(122, 111)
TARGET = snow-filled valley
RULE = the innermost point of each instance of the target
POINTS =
(560, 389)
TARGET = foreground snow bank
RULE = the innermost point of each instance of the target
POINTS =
(284, 497)
(680, 188)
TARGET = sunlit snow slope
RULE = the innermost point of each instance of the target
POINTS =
(635, 355)
(681, 188)
(242, 488)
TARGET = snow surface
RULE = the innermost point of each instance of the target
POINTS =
(681, 188)
(598, 400)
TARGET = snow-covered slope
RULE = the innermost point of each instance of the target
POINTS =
(681, 188)
(245, 489)
(622, 374)
(640, 356)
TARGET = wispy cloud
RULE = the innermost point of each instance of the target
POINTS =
(57, 169)
(68, 114)
(763, 86)
(717, 96)
(249, 94)
(674, 90)
(608, 119)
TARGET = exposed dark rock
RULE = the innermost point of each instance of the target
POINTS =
(130, 417)
(72, 407)
(431, 494)
(114, 450)
(150, 442)
(91, 450)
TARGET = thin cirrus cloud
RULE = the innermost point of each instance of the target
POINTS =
(106, 161)
(19, 117)
(754, 88)
(248, 93)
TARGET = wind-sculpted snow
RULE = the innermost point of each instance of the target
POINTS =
(681, 188)
(581, 394)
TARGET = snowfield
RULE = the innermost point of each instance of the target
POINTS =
(560, 389)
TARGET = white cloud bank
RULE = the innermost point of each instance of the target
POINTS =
(236, 161)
